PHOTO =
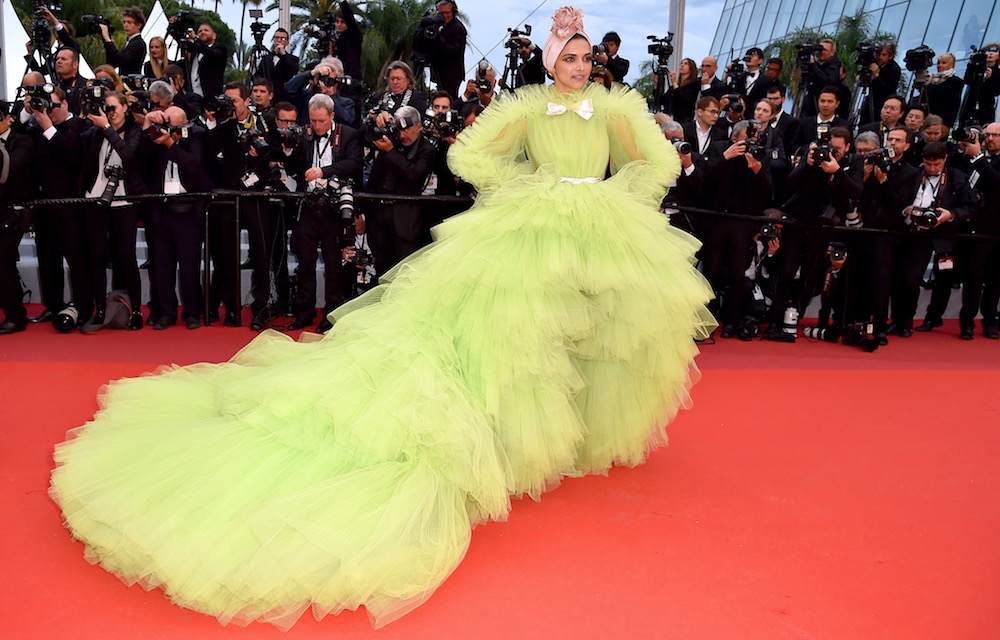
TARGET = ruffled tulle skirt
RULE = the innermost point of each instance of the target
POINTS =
(546, 333)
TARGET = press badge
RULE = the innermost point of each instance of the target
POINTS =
(945, 262)
(250, 179)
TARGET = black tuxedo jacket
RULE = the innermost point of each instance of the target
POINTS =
(22, 177)
(807, 131)
(618, 67)
(813, 190)
(683, 100)
(448, 60)
(955, 196)
(128, 60)
(347, 157)
(691, 135)
(126, 143)
(532, 70)
(717, 89)
(404, 172)
(787, 129)
(147, 69)
(187, 153)
(59, 160)
(985, 178)
(895, 194)
(225, 160)
(734, 187)
(349, 43)
(280, 73)
(212, 66)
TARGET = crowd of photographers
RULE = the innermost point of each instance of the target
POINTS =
(899, 170)
(150, 125)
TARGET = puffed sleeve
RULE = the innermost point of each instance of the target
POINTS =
(492, 151)
(640, 154)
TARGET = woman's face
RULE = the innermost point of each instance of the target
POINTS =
(572, 68)
(156, 49)
(762, 112)
(685, 69)
(116, 112)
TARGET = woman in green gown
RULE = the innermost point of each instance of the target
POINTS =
(545, 333)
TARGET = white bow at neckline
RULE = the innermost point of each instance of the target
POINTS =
(584, 109)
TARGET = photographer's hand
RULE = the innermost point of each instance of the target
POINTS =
(383, 144)
(313, 173)
(735, 150)
(753, 163)
(382, 118)
(772, 246)
(831, 166)
(470, 90)
(810, 157)
(601, 58)
(48, 16)
(873, 67)
(868, 170)
(686, 160)
(105, 33)
(880, 175)
(944, 216)
(99, 119)
(43, 119)
(973, 148)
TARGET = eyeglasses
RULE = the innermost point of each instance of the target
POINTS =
(283, 121)
(277, 37)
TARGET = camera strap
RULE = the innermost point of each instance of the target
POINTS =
(332, 138)
(935, 189)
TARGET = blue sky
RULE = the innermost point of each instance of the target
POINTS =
(488, 22)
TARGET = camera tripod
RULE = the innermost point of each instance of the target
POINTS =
(255, 59)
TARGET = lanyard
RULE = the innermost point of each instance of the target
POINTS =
(935, 190)
(333, 137)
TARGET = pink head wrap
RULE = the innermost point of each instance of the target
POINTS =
(566, 23)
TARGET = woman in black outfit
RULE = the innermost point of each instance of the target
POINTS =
(684, 91)
(111, 146)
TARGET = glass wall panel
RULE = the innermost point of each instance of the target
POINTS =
(798, 18)
(739, 41)
(993, 32)
(892, 18)
(767, 24)
(872, 5)
(851, 7)
(727, 40)
(754, 37)
(720, 31)
(816, 13)
(781, 22)
(938, 36)
(912, 33)
(834, 9)
(972, 23)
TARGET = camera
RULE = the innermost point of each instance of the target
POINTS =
(482, 82)
(97, 20)
(182, 30)
(975, 69)
(374, 132)
(838, 251)
(258, 28)
(65, 321)
(143, 103)
(682, 146)
(222, 106)
(769, 231)
(425, 36)
(136, 82)
(806, 51)
(735, 103)
(324, 30)
(662, 48)
(114, 173)
(600, 49)
(252, 139)
(158, 129)
(753, 145)
(881, 158)
(39, 96)
(822, 152)
(861, 334)
(969, 133)
(514, 37)
(291, 137)
(93, 97)
(334, 197)
(919, 59)
(924, 218)
(447, 124)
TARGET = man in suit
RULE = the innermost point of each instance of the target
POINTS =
(206, 61)
(823, 71)
(17, 185)
(69, 78)
(397, 229)
(828, 102)
(702, 132)
(892, 113)
(322, 79)
(690, 189)
(710, 85)
(58, 228)
(784, 125)
(331, 155)
(531, 71)
(129, 59)
(280, 66)
(178, 162)
(885, 74)
(614, 63)
(448, 57)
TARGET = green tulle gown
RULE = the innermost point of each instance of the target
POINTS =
(545, 333)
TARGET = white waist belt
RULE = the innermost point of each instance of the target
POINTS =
(581, 180)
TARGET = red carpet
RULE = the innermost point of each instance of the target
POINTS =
(813, 491)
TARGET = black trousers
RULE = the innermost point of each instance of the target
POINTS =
(897, 268)
(387, 246)
(11, 294)
(178, 249)
(119, 225)
(147, 216)
(59, 235)
(317, 231)
(258, 216)
(724, 263)
(980, 282)
(223, 247)
(805, 249)
(279, 252)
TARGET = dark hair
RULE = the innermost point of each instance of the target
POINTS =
(705, 102)
(242, 88)
(441, 94)
(779, 87)
(831, 89)
(910, 107)
(896, 96)
(283, 30)
(471, 107)
(755, 50)
(841, 132)
(777, 61)
(935, 151)
(906, 132)
(611, 36)
(891, 46)
(76, 54)
(285, 106)
(173, 70)
(264, 82)
(136, 14)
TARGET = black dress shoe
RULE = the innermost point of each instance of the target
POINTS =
(906, 333)
(989, 331)
(135, 323)
(882, 339)
(929, 323)
(967, 334)
(11, 327)
(192, 323)
(230, 320)
(729, 331)
(44, 316)
(162, 323)
(257, 324)
(324, 326)
(892, 329)
(300, 323)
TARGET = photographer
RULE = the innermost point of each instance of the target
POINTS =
(710, 85)
(611, 61)
(349, 40)
(206, 60)
(733, 108)
(321, 79)
(176, 153)
(942, 199)
(827, 117)
(62, 32)
(111, 150)
(943, 92)
(331, 153)
(531, 70)
(397, 229)
(237, 147)
(823, 70)
(480, 89)
(689, 189)
(683, 94)
(821, 187)
(443, 129)
(262, 93)
(702, 132)
(129, 59)
(885, 75)
(18, 184)
(58, 228)
(758, 288)
(68, 77)
(981, 100)
(782, 125)
(280, 66)
(739, 184)
(750, 83)
(173, 76)
(400, 93)
(978, 259)
(448, 56)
